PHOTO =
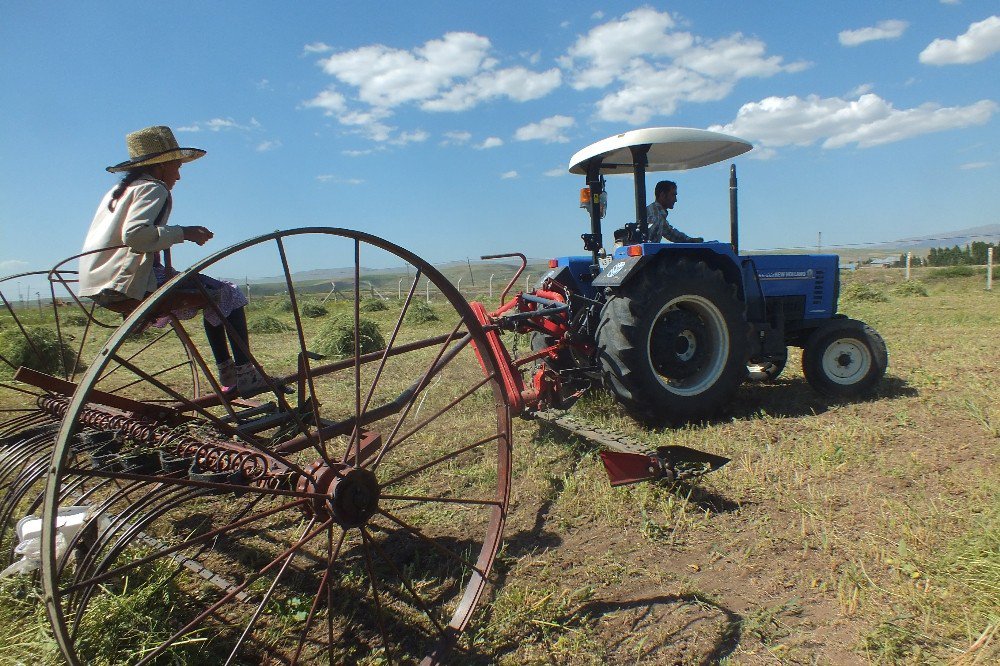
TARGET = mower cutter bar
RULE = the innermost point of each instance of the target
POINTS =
(630, 461)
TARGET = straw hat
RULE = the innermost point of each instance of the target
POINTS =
(154, 145)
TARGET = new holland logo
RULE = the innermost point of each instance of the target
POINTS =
(615, 270)
(787, 275)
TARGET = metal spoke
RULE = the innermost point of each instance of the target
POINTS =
(266, 598)
(229, 596)
(187, 543)
(439, 460)
(333, 553)
(431, 542)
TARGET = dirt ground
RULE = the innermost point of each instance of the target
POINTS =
(784, 556)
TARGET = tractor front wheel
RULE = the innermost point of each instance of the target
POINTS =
(672, 343)
(844, 359)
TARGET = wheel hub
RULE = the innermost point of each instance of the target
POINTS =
(674, 344)
(351, 494)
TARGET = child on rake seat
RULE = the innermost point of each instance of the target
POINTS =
(134, 214)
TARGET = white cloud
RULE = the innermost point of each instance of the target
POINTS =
(356, 153)
(11, 265)
(316, 47)
(597, 16)
(890, 29)
(507, 175)
(861, 90)
(654, 67)
(333, 178)
(219, 125)
(416, 136)
(265, 146)
(453, 73)
(834, 122)
(490, 142)
(975, 165)
(516, 83)
(979, 42)
(389, 77)
(558, 171)
(549, 130)
(456, 138)
(331, 101)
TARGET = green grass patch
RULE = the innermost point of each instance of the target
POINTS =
(910, 288)
(863, 292)
(266, 324)
(421, 313)
(37, 348)
(336, 337)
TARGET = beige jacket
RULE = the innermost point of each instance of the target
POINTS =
(127, 270)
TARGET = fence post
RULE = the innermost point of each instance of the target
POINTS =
(491, 284)
(526, 279)
(427, 291)
(909, 256)
(459, 285)
(989, 269)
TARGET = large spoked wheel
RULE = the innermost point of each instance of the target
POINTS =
(672, 343)
(844, 359)
(52, 344)
(350, 514)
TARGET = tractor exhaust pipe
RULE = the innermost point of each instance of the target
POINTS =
(734, 219)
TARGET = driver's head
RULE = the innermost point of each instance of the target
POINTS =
(666, 193)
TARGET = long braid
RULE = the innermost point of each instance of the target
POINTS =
(127, 180)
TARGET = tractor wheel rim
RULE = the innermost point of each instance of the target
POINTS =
(714, 337)
(846, 361)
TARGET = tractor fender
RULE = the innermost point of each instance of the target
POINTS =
(619, 271)
(716, 255)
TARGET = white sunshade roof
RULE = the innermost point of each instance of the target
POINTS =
(671, 149)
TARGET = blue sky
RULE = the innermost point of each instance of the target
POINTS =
(447, 127)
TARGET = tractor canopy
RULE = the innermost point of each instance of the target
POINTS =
(666, 149)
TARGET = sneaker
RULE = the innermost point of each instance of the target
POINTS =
(227, 373)
(249, 381)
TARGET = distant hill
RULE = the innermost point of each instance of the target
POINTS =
(989, 233)
(479, 271)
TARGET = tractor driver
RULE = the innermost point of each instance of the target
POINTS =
(665, 195)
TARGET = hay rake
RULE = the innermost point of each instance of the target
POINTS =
(355, 518)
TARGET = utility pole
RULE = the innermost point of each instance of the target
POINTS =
(471, 276)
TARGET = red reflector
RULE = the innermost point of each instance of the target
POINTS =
(553, 263)
(634, 250)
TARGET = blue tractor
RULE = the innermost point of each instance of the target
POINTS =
(672, 329)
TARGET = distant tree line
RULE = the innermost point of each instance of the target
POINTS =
(973, 254)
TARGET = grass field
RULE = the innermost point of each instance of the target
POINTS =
(840, 533)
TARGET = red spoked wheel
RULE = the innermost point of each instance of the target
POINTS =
(351, 514)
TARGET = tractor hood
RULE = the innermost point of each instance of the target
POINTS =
(669, 149)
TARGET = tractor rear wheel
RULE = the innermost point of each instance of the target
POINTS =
(844, 359)
(672, 344)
